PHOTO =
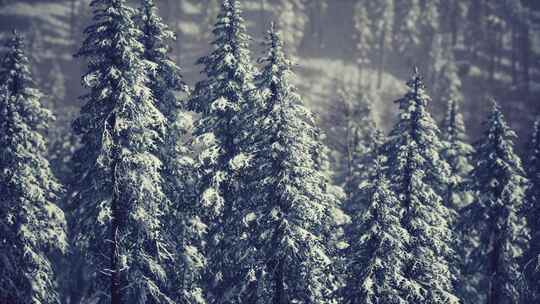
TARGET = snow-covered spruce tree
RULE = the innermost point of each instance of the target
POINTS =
(289, 192)
(184, 228)
(31, 225)
(119, 196)
(493, 220)
(378, 247)
(532, 208)
(417, 174)
(221, 99)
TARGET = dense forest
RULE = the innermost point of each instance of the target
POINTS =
(269, 151)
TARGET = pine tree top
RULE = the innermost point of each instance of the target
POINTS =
(154, 32)
(164, 74)
(15, 66)
(497, 144)
(417, 130)
(228, 66)
(277, 72)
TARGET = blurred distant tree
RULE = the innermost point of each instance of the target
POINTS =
(291, 15)
(407, 31)
(380, 18)
(363, 37)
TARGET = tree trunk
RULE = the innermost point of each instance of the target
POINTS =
(116, 223)
(494, 288)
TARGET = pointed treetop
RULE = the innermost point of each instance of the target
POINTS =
(497, 122)
(274, 48)
(14, 68)
(416, 81)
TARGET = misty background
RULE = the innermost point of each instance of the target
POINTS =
(495, 44)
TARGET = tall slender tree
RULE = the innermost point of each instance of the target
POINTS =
(222, 100)
(184, 228)
(494, 218)
(381, 16)
(418, 174)
(407, 34)
(364, 38)
(31, 225)
(457, 151)
(532, 209)
(289, 197)
(378, 247)
(119, 195)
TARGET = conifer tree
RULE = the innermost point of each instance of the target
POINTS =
(457, 152)
(378, 247)
(119, 196)
(362, 148)
(364, 37)
(182, 217)
(290, 195)
(352, 129)
(446, 81)
(494, 219)
(291, 14)
(532, 209)
(222, 100)
(381, 13)
(31, 225)
(417, 174)
(406, 30)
